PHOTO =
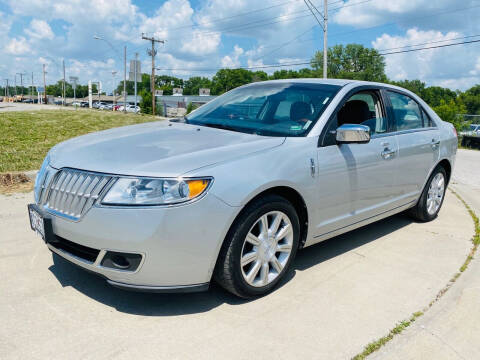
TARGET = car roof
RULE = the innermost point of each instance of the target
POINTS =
(340, 82)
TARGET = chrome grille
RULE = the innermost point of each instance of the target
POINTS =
(70, 192)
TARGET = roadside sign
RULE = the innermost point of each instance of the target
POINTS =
(135, 66)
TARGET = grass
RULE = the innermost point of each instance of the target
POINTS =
(400, 327)
(26, 136)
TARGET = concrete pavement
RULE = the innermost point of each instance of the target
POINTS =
(451, 328)
(340, 295)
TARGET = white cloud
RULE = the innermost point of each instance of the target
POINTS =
(39, 29)
(444, 15)
(447, 66)
(201, 43)
(233, 60)
(18, 46)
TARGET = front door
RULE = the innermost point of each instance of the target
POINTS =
(357, 181)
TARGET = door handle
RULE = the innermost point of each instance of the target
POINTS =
(435, 143)
(388, 153)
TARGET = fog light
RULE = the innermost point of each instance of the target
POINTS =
(121, 261)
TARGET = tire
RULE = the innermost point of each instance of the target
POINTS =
(237, 278)
(422, 210)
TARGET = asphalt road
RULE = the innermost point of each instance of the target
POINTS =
(340, 295)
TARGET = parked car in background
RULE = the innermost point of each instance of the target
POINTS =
(84, 104)
(231, 191)
(116, 107)
(28, 101)
(473, 130)
(76, 103)
(98, 104)
(133, 108)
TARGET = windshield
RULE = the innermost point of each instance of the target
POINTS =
(272, 109)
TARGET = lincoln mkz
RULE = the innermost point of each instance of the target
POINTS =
(231, 191)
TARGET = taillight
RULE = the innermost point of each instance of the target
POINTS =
(455, 131)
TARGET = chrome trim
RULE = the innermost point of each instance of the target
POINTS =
(353, 133)
(71, 193)
(161, 289)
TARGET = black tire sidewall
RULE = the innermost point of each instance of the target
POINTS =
(423, 199)
(238, 237)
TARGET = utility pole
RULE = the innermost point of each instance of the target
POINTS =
(7, 92)
(16, 88)
(31, 90)
(21, 81)
(325, 28)
(125, 78)
(64, 100)
(114, 90)
(324, 24)
(152, 53)
(135, 79)
(44, 85)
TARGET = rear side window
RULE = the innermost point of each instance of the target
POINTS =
(406, 111)
(427, 121)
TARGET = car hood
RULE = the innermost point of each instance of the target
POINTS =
(156, 149)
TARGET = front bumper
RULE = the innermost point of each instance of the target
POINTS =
(179, 244)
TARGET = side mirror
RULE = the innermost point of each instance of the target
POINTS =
(353, 134)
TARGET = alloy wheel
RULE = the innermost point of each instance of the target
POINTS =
(266, 248)
(435, 193)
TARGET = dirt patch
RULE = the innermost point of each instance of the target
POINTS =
(14, 183)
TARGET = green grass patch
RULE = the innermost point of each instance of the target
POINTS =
(26, 136)
(400, 327)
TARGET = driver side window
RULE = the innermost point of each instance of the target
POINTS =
(362, 108)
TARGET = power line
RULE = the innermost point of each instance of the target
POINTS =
(449, 11)
(261, 23)
(429, 42)
(309, 62)
(430, 47)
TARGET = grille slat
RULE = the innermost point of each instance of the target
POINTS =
(72, 192)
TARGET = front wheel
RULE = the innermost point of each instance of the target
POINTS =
(259, 248)
(432, 197)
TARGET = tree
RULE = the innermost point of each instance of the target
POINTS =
(415, 86)
(228, 79)
(146, 102)
(449, 111)
(471, 99)
(352, 61)
(192, 86)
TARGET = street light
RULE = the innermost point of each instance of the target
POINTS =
(114, 90)
(96, 37)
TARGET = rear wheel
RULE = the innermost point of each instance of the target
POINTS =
(432, 197)
(259, 248)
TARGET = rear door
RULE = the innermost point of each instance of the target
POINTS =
(418, 143)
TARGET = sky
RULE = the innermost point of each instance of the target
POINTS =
(204, 35)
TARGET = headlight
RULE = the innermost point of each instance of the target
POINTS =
(40, 175)
(154, 191)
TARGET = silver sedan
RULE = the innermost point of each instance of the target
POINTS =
(234, 189)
